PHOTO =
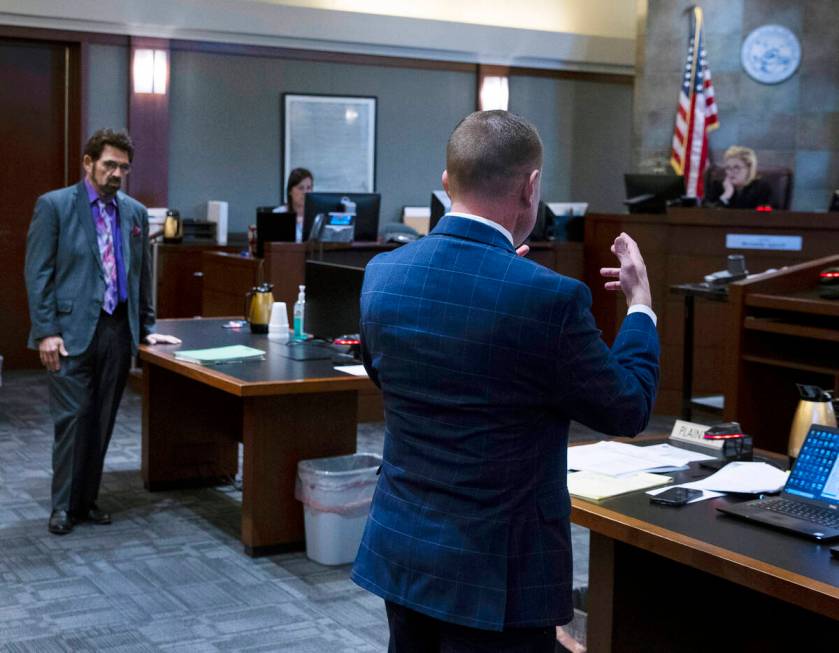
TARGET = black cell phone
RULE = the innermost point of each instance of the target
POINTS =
(676, 496)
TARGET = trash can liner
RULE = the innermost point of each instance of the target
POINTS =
(341, 484)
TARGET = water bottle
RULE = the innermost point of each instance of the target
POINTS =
(300, 314)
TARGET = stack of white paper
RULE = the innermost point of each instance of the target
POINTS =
(617, 458)
(745, 478)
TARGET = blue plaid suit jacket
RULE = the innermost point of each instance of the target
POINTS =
(483, 357)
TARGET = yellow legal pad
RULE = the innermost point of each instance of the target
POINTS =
(595, 487)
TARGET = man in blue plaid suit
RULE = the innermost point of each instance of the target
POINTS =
(483, 357)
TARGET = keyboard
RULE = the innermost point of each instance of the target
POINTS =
(800, 510)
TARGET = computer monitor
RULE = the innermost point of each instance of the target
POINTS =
(366, 212)
(271, 227)
(650, 193)
(440, 205)
(543, 227)
(568, 220)
(333, 294)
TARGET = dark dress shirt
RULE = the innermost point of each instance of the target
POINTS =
(754, 194)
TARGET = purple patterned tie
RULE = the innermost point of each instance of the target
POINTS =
(106, 249)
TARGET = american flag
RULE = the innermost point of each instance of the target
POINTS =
(697, 114)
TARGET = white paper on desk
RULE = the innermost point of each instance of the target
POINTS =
(676, 456)
(617, 458)
(706, 494)
(355, 370)
(745, 478)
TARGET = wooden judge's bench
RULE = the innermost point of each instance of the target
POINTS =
(682, 247)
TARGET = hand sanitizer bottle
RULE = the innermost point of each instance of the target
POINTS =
(299, 314)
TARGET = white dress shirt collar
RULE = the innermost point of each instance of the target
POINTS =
(490, 223)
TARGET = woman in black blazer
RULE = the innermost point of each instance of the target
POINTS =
(741, 188)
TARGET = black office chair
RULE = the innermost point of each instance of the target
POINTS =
(778, 178)
(398, 232)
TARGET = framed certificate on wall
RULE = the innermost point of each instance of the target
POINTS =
(332, 136)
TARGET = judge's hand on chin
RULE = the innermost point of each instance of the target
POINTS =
(162, 339)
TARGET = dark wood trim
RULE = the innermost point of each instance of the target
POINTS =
(601, 604)
(324, 56)
(491, 70)
(67, 36)
(148, 124)
(76, 109)
(84, 83)
(209, 376)
(577, 75)
(149, 42)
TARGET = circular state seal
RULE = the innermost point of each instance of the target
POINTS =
(770, 54)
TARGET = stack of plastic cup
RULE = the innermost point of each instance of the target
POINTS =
(278, 326)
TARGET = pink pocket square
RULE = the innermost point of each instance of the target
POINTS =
(136, 232)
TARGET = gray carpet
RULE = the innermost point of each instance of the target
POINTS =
(169, 574)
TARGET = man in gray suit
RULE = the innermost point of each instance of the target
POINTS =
(88, 278)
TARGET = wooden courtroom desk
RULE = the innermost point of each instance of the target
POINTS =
(227, 277)
(691, 579)
(682, 247)
(281, 410)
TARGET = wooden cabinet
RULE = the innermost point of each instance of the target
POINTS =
(784, 333)
(180, 277)
(227, 278)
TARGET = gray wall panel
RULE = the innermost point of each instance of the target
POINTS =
(107, 89)
(586, 130)
(225, 128)
(602, 144)
(549, 105)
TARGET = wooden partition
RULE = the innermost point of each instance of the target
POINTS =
(227, 277)
(784, 333)
(682, 247)
(285, 263)
(180, 278)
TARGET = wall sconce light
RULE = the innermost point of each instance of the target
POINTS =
(495, 93)
(151, 71)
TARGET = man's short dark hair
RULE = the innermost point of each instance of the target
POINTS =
(488, 150)
(102, 137)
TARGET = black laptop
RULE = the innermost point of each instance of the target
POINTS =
(809, 502)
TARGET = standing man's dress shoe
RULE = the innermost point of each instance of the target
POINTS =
(94, 515)
(98, 516)
(61, 522)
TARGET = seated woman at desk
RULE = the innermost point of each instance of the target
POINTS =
(300, 182)
(741, 188)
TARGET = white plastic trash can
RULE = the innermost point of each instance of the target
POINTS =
(336, 494)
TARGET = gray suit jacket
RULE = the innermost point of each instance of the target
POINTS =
(65, 280)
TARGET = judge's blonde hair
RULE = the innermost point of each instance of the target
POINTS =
(746, 155)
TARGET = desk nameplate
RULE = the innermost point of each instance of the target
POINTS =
(764, 241)
(693, 433)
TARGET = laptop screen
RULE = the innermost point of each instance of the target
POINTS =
(816, 471)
